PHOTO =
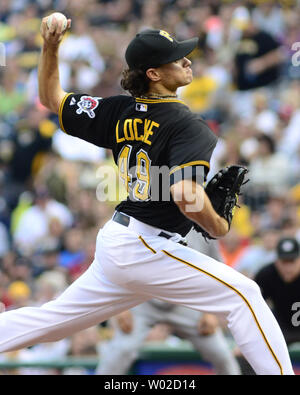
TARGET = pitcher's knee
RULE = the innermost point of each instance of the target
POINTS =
(250, 290)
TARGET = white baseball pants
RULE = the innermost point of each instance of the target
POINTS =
(133, 264)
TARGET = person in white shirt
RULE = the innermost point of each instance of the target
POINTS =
(79, 53)
(270, 170)
(34, 223)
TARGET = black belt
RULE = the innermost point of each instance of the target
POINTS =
(124, 220)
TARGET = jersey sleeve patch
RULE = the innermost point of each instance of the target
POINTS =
(91, 118)
(87, 105)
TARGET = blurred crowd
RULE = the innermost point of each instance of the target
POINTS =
(246, 87)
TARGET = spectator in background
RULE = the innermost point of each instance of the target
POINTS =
(257, 63)
(28, 55)
(270, 170)
(290, 226)
(4, 241)
(72, 254)
(23, 143)
(280, 285)
(274, 213)
(32, 138)
(89, 252)
(19, 294)
(12, 95)
(290, 139)
(150, 14)
(46, 260)
(21, 270)
(81, 64)
(83, 345)
(86, 152)
(33, 225)
(49, 285)
(4, 283)
(269, 17)
(259, 255)
(45, 352)
(107, 85)
(266, 120)
(5, 10)
(232, 248)
(205, 95)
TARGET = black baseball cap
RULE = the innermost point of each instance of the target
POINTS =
(154, 48)
(288, 249)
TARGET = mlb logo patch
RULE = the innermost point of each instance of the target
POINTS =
(141, 107)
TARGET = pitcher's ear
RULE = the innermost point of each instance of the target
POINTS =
(153, 75)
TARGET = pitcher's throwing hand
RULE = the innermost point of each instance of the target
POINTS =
(54, 27)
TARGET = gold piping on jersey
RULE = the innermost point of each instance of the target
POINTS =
(196, 163)
(239, 294)
(61, 107)
(146, 245)
(154, 101)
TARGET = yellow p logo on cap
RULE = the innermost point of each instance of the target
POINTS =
(166, 35)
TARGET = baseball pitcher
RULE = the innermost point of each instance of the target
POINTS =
(141, 252)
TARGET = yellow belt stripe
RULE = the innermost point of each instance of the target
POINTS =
(241, 295)
(61, 107)
(196, 163)
(146, 245)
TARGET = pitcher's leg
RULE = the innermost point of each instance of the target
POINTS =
(250, 320)
(87, 302)
(194, 280)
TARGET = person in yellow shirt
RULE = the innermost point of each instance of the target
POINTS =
(200, 93)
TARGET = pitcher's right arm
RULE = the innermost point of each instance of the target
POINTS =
(50, 91)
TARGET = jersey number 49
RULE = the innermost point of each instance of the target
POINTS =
(136, 178)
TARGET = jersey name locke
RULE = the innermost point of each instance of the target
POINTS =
(136, 130)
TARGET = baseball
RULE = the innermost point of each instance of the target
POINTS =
(59, 17)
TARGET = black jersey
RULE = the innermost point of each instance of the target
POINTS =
(155, 143)
(251, 48)
(283, 296)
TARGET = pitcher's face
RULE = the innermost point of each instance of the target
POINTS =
(176, 74)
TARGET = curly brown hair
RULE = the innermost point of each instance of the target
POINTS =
(135, 82)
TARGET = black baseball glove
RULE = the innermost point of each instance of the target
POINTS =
(223, 191)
